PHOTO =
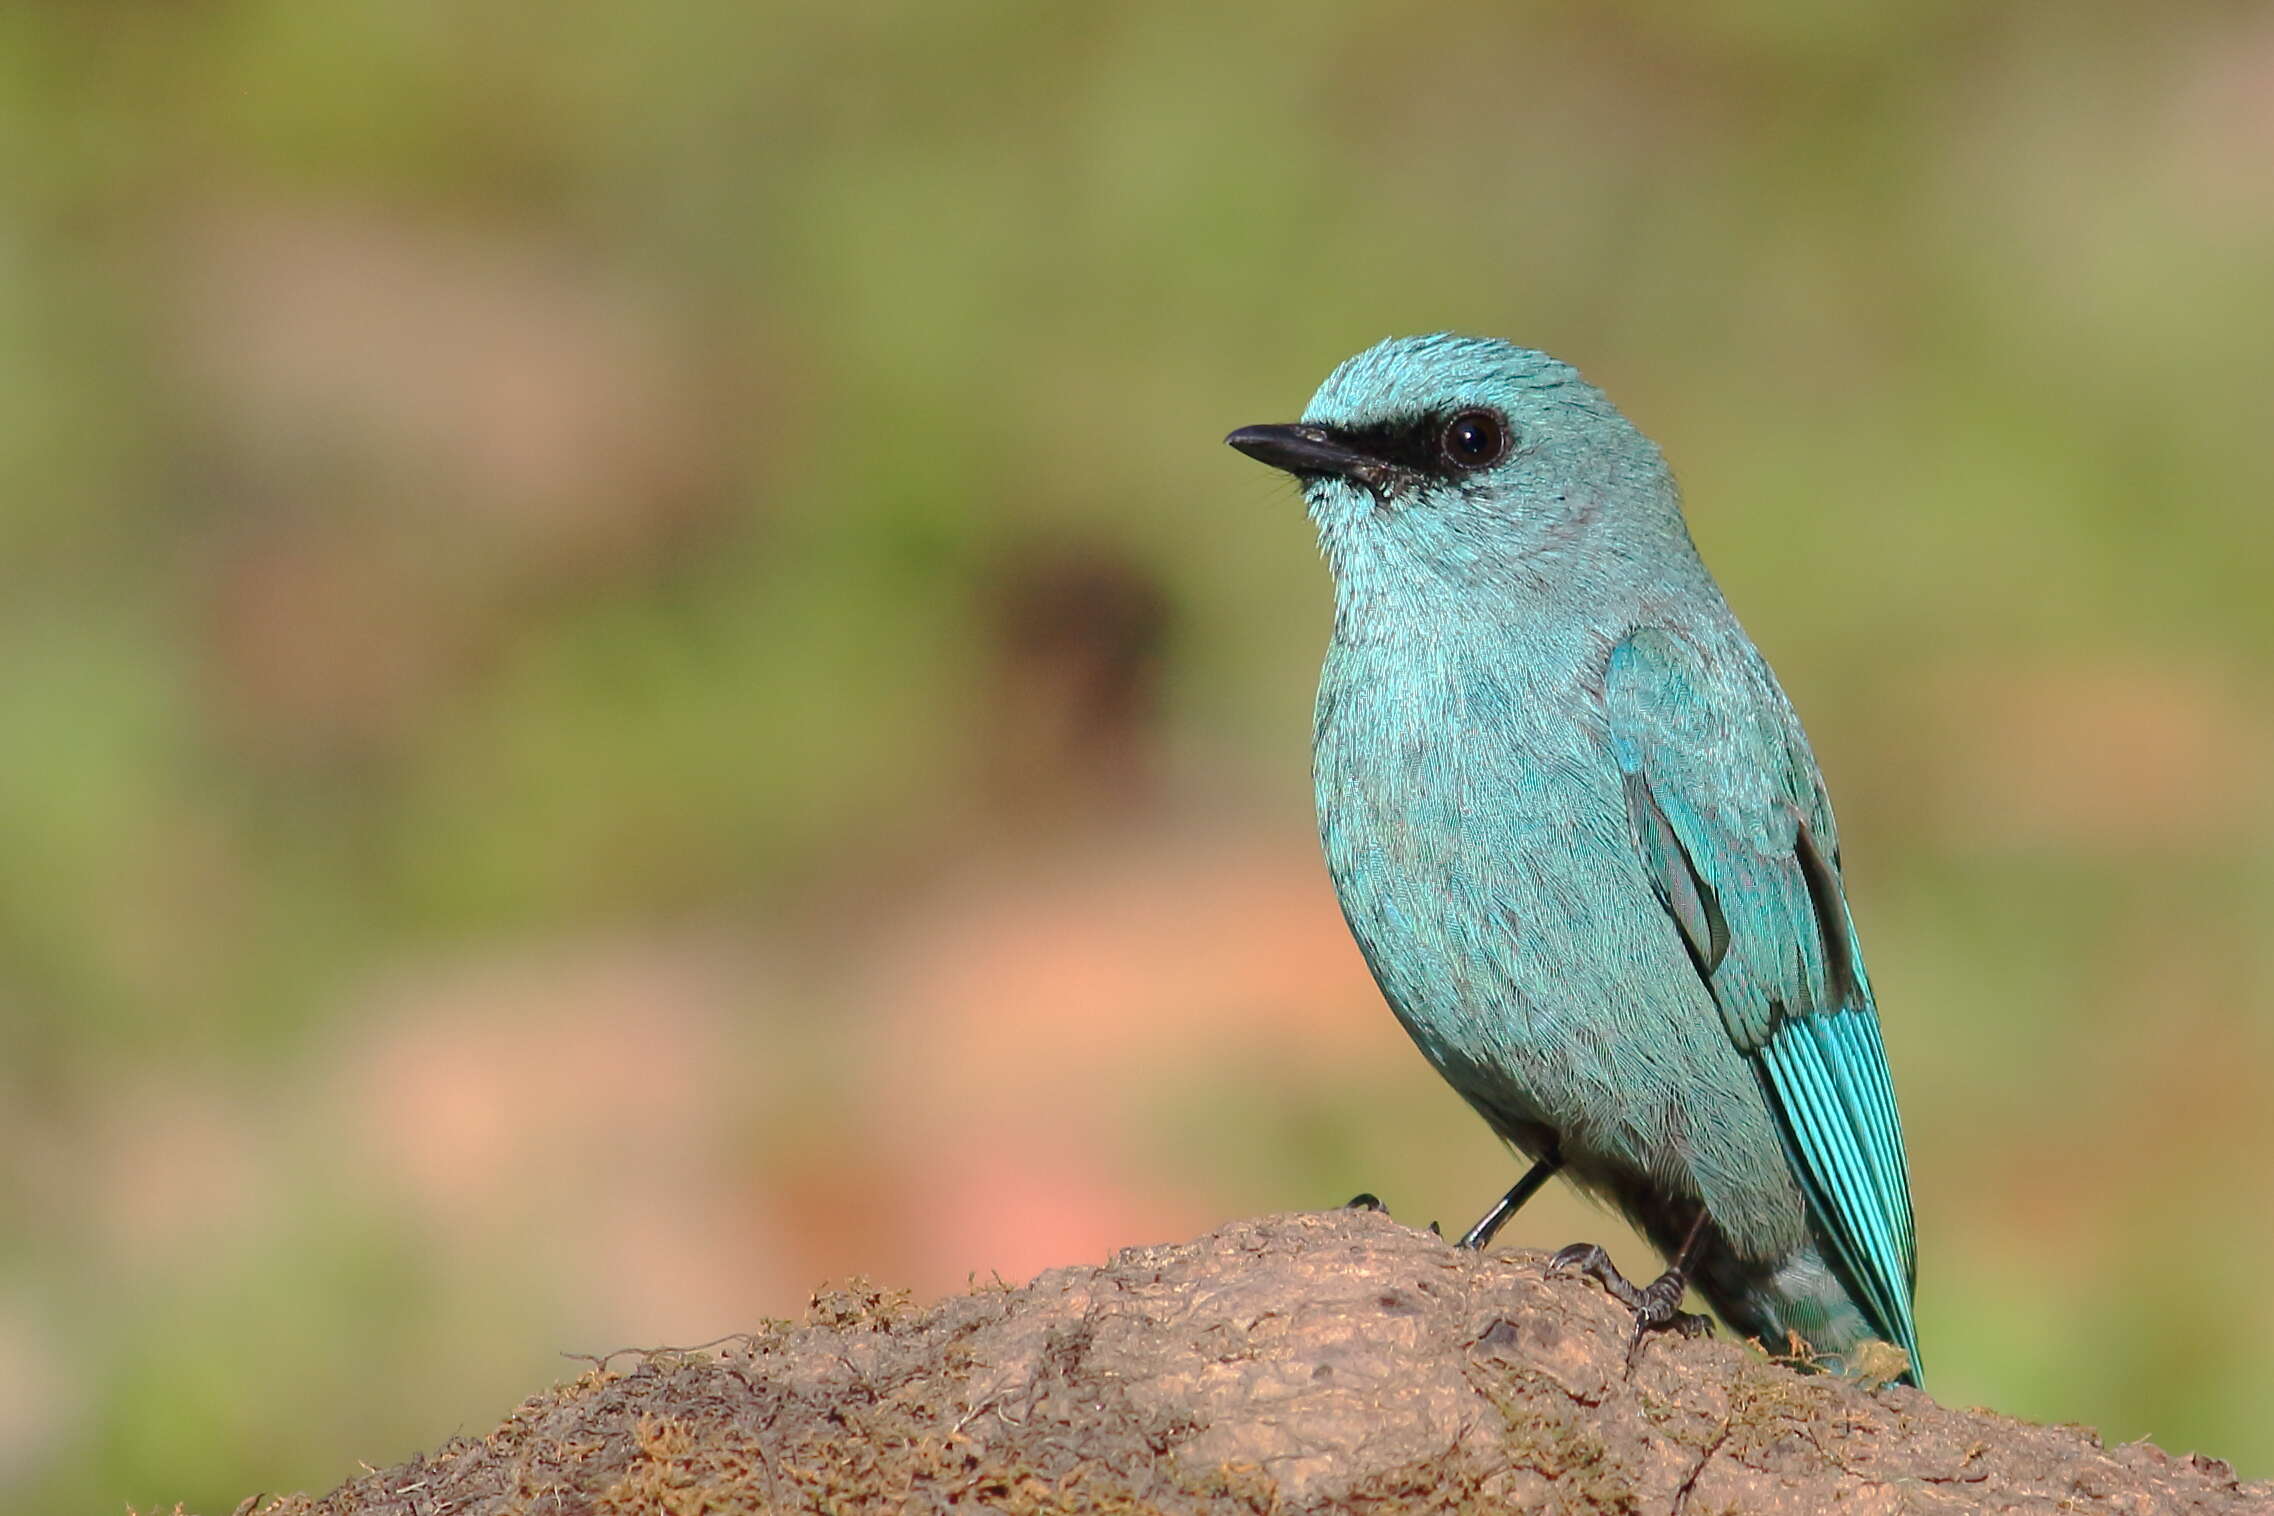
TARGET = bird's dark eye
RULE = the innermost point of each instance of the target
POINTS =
(1474, 439)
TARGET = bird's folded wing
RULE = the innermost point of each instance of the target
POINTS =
(1735, 832)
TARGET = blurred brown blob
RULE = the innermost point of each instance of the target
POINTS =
(326, 640)
(407, 428)
(2097, 754)
(1075, 705)
(492, 377)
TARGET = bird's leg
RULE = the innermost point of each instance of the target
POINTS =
(1657, 1306)
(1542, 1170)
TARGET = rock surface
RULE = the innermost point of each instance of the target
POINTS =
(1339, 1361)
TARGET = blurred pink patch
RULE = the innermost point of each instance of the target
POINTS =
(44, 1386)
(1034, 1019)
(2222, 121)
(576, 1112)
(1027, 1209)
(175, 1171)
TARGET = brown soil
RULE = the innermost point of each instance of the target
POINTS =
(1295, 1363)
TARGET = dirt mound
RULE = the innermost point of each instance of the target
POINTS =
(1337, 1361)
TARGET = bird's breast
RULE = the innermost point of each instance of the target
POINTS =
(1458, 790)
(1421, 751)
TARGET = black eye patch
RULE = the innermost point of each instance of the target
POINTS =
(1414, 444)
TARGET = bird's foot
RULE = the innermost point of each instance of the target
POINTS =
(1657, 1306)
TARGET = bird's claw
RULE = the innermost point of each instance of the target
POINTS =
(1657, 1306)
(1586, 1258)
(1661, 1311)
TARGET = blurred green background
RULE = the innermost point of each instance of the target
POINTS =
(632, 675)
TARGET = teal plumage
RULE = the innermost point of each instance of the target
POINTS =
(1578, 833)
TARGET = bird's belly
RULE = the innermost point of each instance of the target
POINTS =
(1491, 920)
(1499, 899)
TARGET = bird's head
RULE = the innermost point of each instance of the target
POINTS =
(1471, 460)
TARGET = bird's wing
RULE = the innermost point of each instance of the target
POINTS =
(1735, 831)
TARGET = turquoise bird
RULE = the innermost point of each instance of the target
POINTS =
(1581, 840)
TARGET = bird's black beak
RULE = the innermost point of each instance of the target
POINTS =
(1305, 451)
